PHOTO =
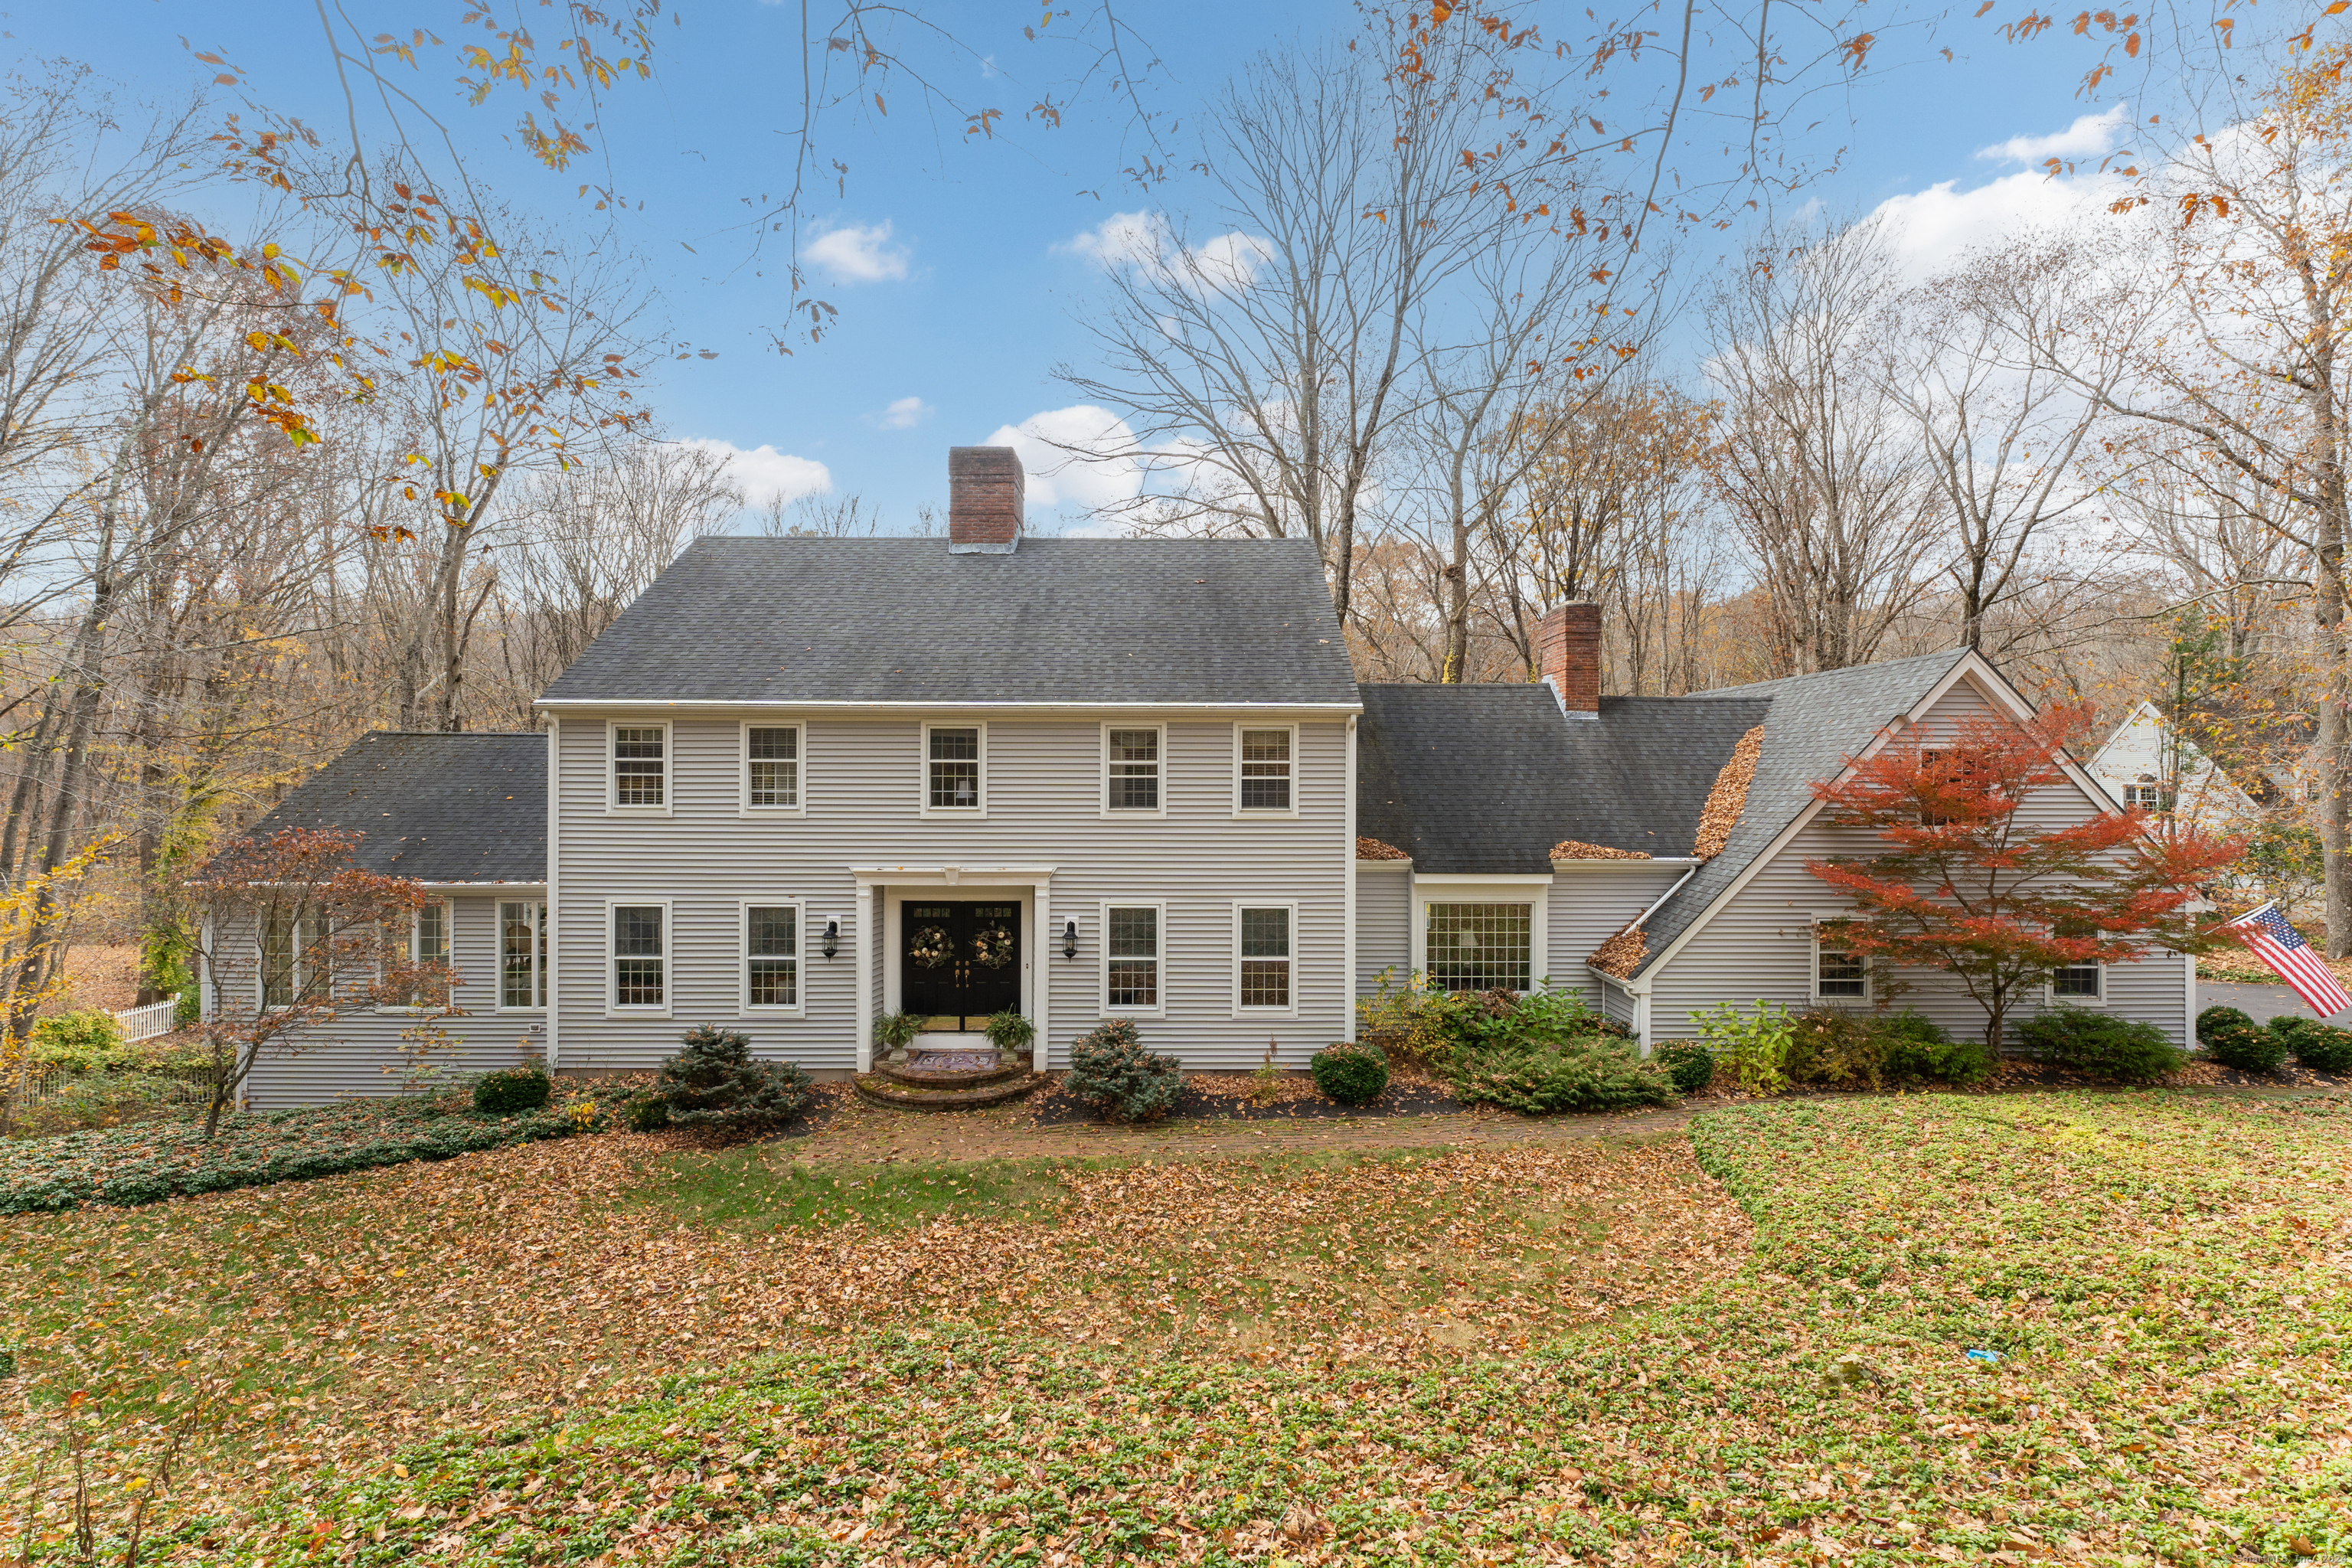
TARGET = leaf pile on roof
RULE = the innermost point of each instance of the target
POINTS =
(1730, 795)
(1622, 953)
(1577, 849)
(1373, 850)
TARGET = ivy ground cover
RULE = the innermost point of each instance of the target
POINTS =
(1771, 1365)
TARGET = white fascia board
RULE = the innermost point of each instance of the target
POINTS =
(1473, 879)
(626, 706)
(503, 886)
(1671, 860)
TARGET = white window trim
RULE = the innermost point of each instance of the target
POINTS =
(800, 958)
(1264, 816)
(1109, 813)
(1533, 890)
(612, 1009)
(743, 806)
(2050, 997)
(449, 924)
(1239, 1011)
(1869, 975)
(923, 774)
(613, 775)
(545, 943)
(1102, 958)
(294, 960)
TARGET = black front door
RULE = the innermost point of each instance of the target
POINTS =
(958, 963)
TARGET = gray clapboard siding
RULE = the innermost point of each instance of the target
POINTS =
(1590, 904)
(1616, 1002)
(364, 1053)
(861, 779)
(1759, 946)
(1383, 923)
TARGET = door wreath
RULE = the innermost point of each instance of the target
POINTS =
(932, 948)
(992, 948)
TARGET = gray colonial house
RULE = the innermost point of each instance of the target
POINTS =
(802, 783)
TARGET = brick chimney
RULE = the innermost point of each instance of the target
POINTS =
(1568, 645)
(985, 496)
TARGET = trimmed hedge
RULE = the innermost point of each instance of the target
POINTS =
(2322, 1048)
(2102, 1046)
(151, 1162)
(1351, 1074)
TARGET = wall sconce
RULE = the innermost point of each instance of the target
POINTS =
(1069, 939)
(832, 938)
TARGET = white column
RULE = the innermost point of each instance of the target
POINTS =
(862, 945)
(1041, 971)
(1348, 912)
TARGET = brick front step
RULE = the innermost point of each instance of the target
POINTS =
(879, 1091)
(973, 1077)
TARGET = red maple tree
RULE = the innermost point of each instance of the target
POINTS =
(1984, 874)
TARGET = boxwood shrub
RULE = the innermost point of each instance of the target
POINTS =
(1350, 1073)
(1688, 1065)
(2248, 1046)
(524, 1088)
(2322, 1048)
(2102, 1046)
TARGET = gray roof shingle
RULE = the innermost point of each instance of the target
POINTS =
(1484, 780)
(738, 619)
(468, 807)
(1812, 723)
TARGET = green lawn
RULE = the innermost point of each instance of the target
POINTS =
(2166, 1279)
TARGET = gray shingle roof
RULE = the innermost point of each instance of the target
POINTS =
(1485, 780)
(1813, 724)
(739, 619)
(468, 807)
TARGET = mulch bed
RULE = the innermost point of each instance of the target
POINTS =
(1238, 1097)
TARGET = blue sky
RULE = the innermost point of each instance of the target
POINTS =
(951, 260)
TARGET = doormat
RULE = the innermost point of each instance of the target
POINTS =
(950, 1061)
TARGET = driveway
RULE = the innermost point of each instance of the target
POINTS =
(2260, 1003)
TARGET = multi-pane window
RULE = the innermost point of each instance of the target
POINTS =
(432, 940)
(1131, 957)
(278, 948)
(1266, 958)
(1839, 974)
(1265, 770)
(1133, 760)
(772, 956)
(2148, 797)
(522, 955)
(639, 979)
(640, 765)
(772, 754)
(954, 783)
(2079, 981)
(1480, 947)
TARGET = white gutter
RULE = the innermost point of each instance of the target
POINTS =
(1625, 981)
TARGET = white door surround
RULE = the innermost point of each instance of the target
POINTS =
(876, 991)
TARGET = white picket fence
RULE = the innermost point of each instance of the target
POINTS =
(146, 1022)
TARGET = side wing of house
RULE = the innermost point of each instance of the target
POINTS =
(1758, 942)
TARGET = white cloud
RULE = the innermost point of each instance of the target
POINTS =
(1931, 229)
(1144, 240)
(858, 253)
(1055, 478)
(904, 414)
(2089, 135)
(766, 474)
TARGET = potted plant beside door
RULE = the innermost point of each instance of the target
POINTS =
(1010, 1033)
(894, 1032)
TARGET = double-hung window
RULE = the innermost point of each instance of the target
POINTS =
(522, 956)
(422, 952)
(640, 767)
(640, 957)
(1262, 780)
(771, 957)
(2080, 984)
(1262, 980)
(955, 769)
(1131, 935)
(1481, 947)
(772, 767)
(1840, 974)
(278, 950)
(1132, 764)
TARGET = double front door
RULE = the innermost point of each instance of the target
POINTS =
(959, 962)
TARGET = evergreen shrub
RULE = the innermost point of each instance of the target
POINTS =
(517, 1088)
(2102, 1046)
(717, 1082)
(2322, 1048)
(1914, 1048)
(1688, 1065)
(1594, 1074)
(1353, 1073)
(1110, 1070)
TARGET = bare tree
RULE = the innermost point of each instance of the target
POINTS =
(1815, 462)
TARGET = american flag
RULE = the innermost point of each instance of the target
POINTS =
(2278, 945)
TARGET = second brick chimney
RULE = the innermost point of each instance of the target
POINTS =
(1567, 647)
(986, 494)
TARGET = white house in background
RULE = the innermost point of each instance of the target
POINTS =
(2144, 765)
(800, 783)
